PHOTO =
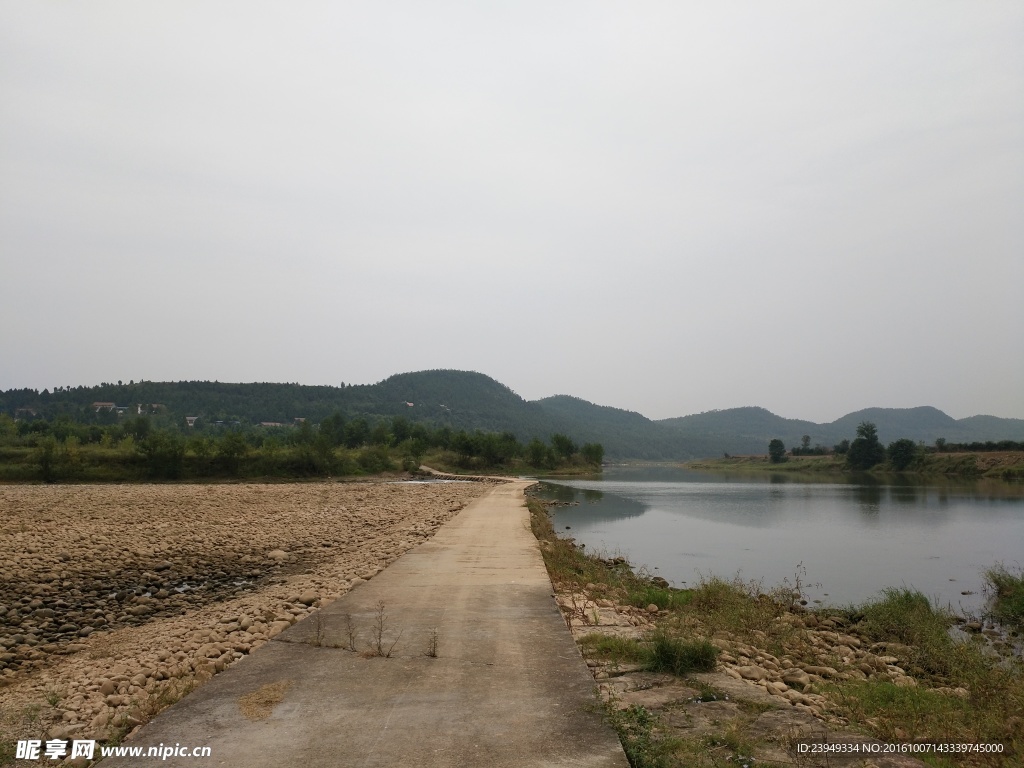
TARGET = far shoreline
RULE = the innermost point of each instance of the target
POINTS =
(994, 465)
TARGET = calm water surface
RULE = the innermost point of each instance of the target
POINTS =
(853, 538)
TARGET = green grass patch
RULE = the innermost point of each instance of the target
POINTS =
(666, 598)
(674, 655)
(660, 651)
(906, 616)
(613, 648)
(1007, 589)
(915, 712)
(637, 728)
(742, 609)
(989, 712)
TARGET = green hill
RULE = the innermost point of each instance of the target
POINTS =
(740, 431)
(624, 434)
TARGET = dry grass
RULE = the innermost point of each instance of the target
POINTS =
(259, 704)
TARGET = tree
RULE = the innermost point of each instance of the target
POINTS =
(230, 450)
(593, 453)
(777, 451)
(902, 453)
(45, 455)
(841, 447)
(564, 446)
(865, 451)
(465, 446)
(163, 454)
(356, 433)
(867, 430)
(537, 454)
(333, 428)
(380, 435)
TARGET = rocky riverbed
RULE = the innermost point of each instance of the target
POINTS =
(114, 600)
(764, 702)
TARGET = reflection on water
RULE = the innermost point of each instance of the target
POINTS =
(869, 497)
(853, 535)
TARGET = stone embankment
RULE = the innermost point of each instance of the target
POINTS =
(115, 600)
(753, 697)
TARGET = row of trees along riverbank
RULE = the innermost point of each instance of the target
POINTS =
(866, 453)
(64, 450)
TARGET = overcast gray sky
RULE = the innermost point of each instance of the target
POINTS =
(668, 207)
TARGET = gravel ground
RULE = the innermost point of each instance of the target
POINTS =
(115, 599)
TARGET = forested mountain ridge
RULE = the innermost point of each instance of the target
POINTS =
(469, 400)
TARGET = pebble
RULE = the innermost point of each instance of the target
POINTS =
(752, 672)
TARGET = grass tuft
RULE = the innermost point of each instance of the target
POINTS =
(637, 729)
(906, 616)
(667, 653)
(666, 598)
(613, 648)
(1007, 589)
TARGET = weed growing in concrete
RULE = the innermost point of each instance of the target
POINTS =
(379, 629)
(350, 633)
(318, 630)
(432, 640)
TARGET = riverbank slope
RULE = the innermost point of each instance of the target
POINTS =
(728, 673)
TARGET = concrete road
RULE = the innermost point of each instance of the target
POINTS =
(507, 686)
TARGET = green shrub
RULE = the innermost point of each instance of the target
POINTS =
(677, 656)
(375, 459)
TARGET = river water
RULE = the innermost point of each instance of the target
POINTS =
(846, 539)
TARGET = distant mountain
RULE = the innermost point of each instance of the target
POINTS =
(748, 430)
(1006, 429)
(922, 423)
(468, 400)
(740, 431)
(624, 434)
